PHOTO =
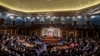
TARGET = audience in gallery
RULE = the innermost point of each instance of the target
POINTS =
(19, 45)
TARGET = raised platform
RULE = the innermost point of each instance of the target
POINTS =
(50, 39)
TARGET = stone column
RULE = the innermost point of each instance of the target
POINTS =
(15, 31)
(5, 32)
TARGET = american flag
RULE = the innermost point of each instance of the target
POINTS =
(50, 33)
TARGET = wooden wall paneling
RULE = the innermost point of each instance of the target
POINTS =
(73, 32)
(38, 32)
(63, 33)
(13, 31)
(8, 31)
(2, 32)
(66, 32)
